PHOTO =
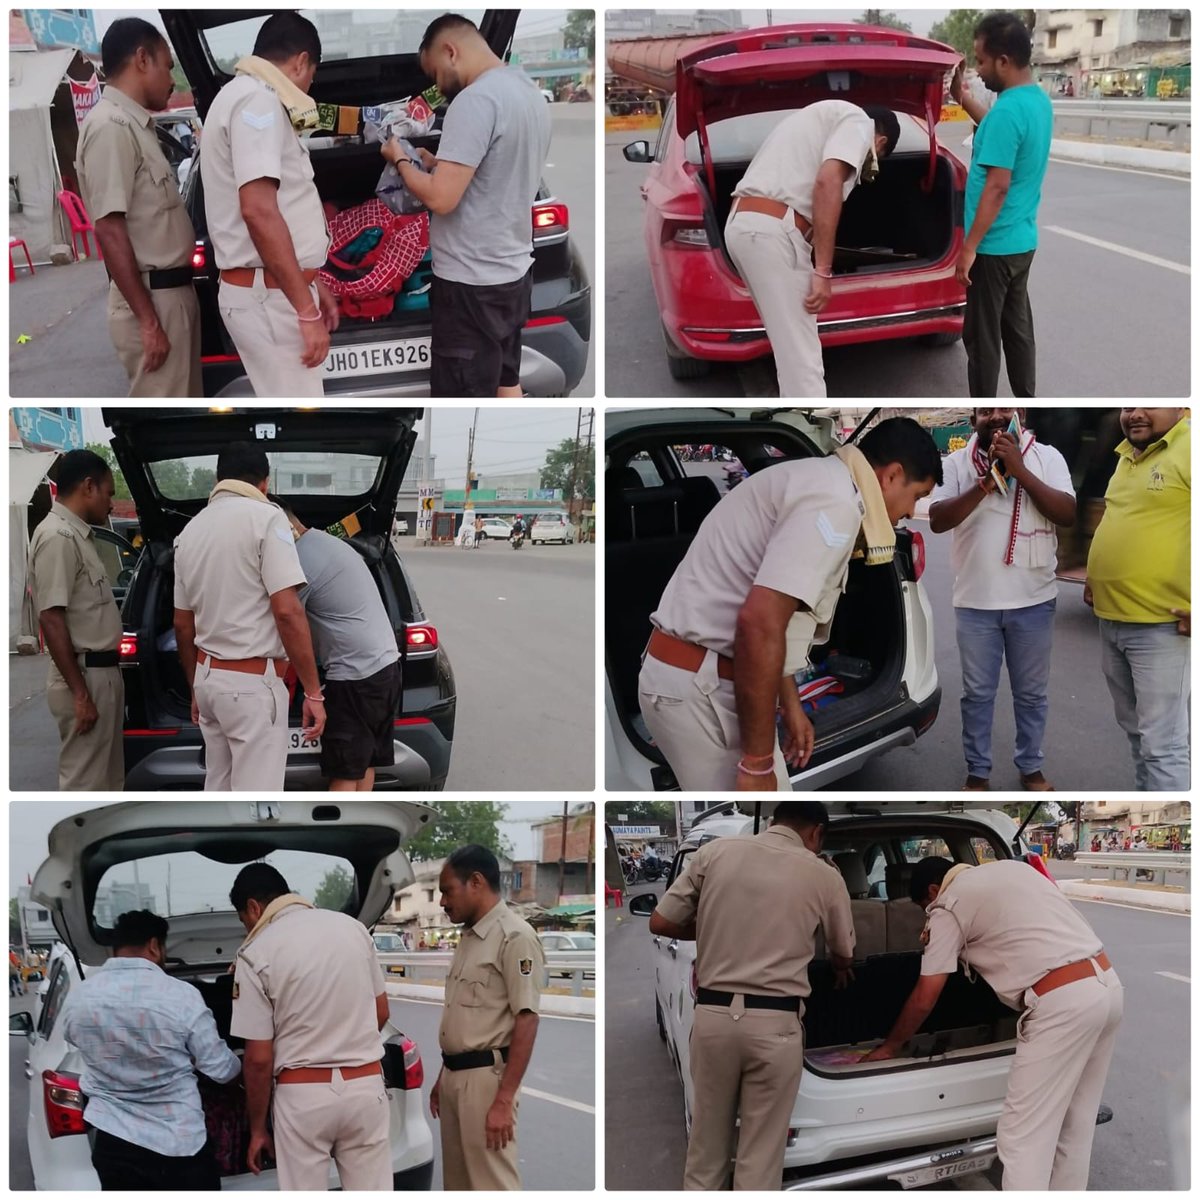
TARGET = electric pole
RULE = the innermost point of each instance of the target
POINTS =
(562, 854)
(468, 503)
(574, 463)
(427, 472)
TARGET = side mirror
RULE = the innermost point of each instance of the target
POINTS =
(642, 905)
(638, 152)
(20, 1024)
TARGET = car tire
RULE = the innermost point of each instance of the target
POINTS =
(933, 340)
(658, 1020)
(682, 366)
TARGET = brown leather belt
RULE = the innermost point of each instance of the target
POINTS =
(244, 277)
(675, 652)
(1070, 973)
(325, 1074)
(249, 666)
(773, 208)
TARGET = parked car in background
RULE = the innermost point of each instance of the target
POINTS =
(494, 527)
(552, 527)
(568, 948)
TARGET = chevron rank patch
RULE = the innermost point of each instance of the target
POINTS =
(258, 121)
(525, 966)
(830, 536)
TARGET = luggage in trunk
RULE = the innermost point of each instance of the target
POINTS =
(224, 1105)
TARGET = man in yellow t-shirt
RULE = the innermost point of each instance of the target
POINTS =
(1139, 573)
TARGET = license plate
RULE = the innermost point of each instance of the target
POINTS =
(297, 744)
(949, 1170)
(378, 358)
(395, 969)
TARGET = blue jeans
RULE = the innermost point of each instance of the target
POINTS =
(1021, 637)
(1148, 668)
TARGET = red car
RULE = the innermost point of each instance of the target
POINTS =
(898, 238)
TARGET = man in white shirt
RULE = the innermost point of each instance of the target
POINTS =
(783, 224)
(1005, 591)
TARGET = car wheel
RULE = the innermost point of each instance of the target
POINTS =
(658, 1018)
(682, 366)
(939, 339)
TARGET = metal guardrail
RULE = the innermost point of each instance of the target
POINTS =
(1156, 863)
(430, 966)
(1147, 120)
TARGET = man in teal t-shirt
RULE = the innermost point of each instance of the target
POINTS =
(1004, 187)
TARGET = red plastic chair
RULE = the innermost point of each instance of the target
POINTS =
(81, 223)
(615, 894)
(13, 244)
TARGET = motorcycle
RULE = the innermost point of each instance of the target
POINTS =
(516, 538)
(652, 872)
(733, 476)
(1065, 852)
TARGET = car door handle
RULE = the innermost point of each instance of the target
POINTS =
(28, 1071)
(673, 948)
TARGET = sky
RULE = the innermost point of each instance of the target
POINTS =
(30, 823)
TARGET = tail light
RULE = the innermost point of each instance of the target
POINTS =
(199, 257)
(691, 235)
(418, 638)
(918, 554)
(128, 646)
(64, 1104)
(550, 219)
(414, 1068)
(402, 1066)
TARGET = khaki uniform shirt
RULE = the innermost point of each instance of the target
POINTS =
(66, 572)
(229, 561)
(791, 528)
(248, 136)
(309, 981)
(1010, 923)
(122, 169)
(496, 973)
(757, 903)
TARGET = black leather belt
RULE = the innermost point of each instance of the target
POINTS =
(472, 1058)
(172, 277)
(101, 658)
(725, 999)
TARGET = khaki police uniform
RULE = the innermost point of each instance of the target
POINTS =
(248, 136)
(229, 561)
(1013, 926)
(122, 169)
(792, 528)
(309, 981)
(67, 573)
(496, 974)
(757, 903)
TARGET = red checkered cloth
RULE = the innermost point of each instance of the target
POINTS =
(382, 272)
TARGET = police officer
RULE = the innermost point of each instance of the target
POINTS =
(82, 628)
(1014, 927)
(143, 229)
(265, 217)
(237, 615)
(756, 590)
(753, 906)
(489, 1024)
(310, 1000)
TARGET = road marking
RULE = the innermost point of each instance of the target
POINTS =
(1152, 259)
(1172, 975)
(576, 1104)
(1070, 162)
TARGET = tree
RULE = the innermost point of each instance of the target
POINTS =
(173, 479)
(121, 488)
(462, 823)
(204, 479)
(957, 29)
(580, 31)
(889, 20)
(557, 471)
(335, 889)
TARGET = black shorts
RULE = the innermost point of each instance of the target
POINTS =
(477, 336)
(359, 724)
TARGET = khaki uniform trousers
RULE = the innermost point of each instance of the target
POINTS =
(747, 1062)
(266, 332)
(467, 1163)
(1065, 1042)
(348, 1120)
(93, 761)
(775, 262)
(179, 315)
(244, 722)
(692, 717)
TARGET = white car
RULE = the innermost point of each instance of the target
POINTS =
(180, 858)
(552, 527)
(930, 1114)
(547, 95)
(566, 948)
(666, 470)
(495, 528)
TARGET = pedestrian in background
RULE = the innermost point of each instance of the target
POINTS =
(238, 622)
(309, 998)
(1009, 155)
(494, 145)
(753, 907)
(1005, 590)
(489, 1024)
(81, 625)
(1139, 584)
(142, 227)
(268, 228)
(142, 1035)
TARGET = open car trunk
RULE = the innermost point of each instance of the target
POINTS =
(225, 1114)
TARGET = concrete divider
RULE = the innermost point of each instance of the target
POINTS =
(552, 1006)
(1135, 897)
(1115, 154)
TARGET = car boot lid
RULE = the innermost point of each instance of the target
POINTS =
(143, 436)
(82, 848)
(838, 809)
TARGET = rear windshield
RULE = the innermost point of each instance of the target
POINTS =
(175, 885)
(584, 941)
(293, 473)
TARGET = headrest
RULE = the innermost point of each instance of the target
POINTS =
(898, 878)
(854, 872)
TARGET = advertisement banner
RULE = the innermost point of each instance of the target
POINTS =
(85, 97)
(425, 509)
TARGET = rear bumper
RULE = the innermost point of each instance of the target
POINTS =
(415, 1179)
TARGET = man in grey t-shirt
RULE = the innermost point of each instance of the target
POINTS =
(480, 188)
(355, 642)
